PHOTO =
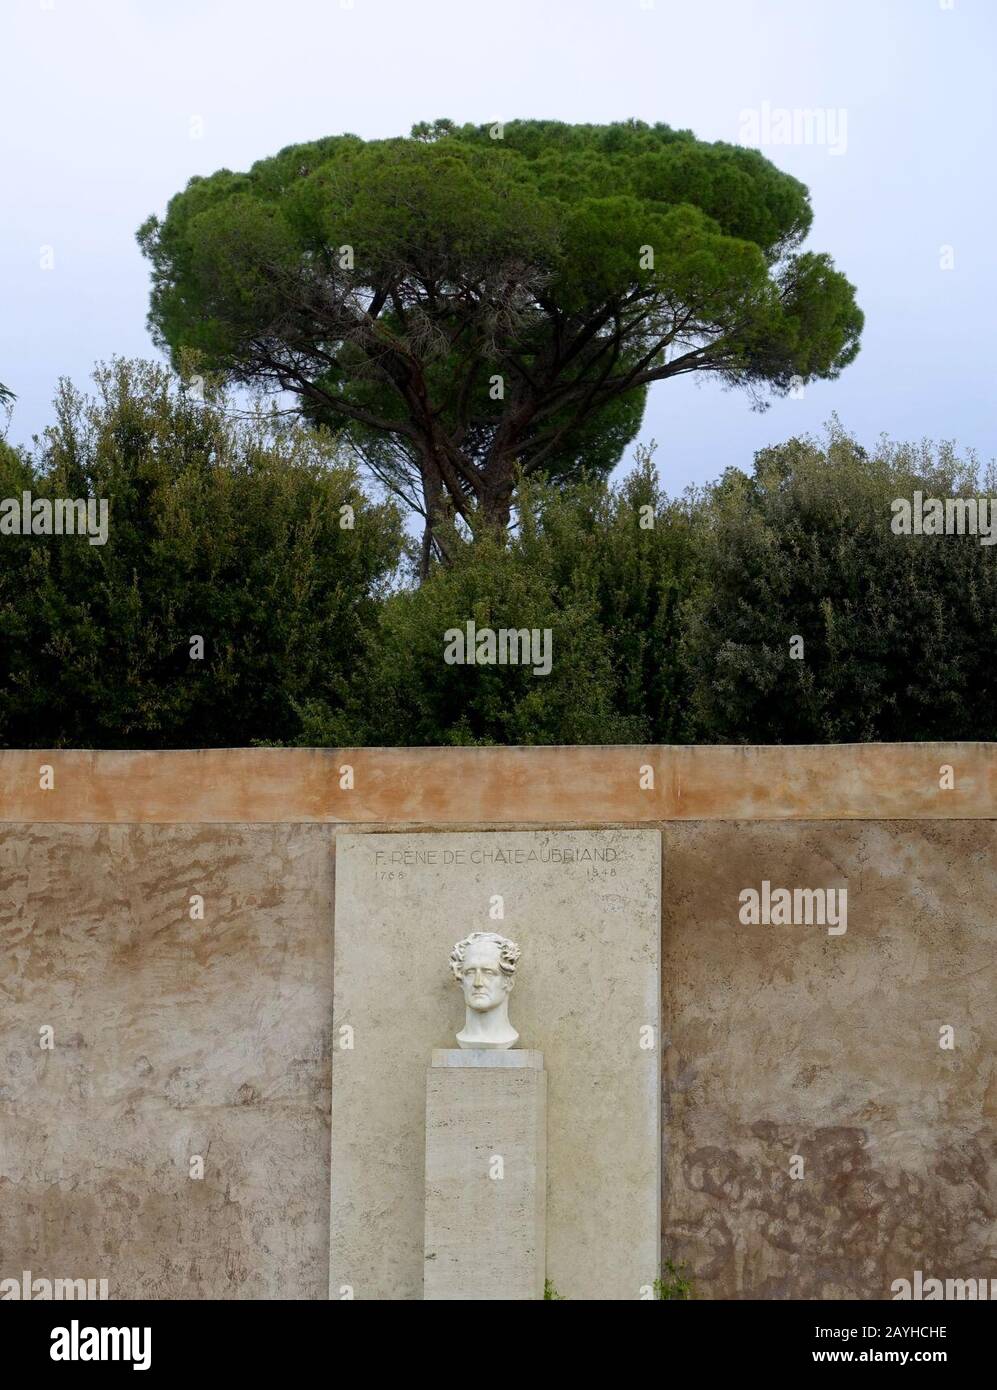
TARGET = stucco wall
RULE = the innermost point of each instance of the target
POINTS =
(172, 1038)
(176, 1037)
(785, 1041)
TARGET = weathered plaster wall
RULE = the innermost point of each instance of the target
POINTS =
(176, 1037)
(782, 1040)
(172, 1037)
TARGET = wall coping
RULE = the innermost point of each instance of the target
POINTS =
(592, 784)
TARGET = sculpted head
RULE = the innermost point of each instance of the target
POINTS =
(484, 965)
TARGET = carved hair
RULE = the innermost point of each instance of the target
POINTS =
(509, 952)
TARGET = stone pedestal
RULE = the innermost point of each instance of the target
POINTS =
(486, 1175)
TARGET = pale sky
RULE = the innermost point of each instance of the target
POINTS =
(109, 106)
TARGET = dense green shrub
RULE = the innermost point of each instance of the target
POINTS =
(671, 620)
(579, 565)
(635, 553)
(899, 632)
(222, 526)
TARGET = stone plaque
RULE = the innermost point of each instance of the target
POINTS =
(583, 906)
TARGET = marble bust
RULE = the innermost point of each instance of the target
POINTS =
(484, 965)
